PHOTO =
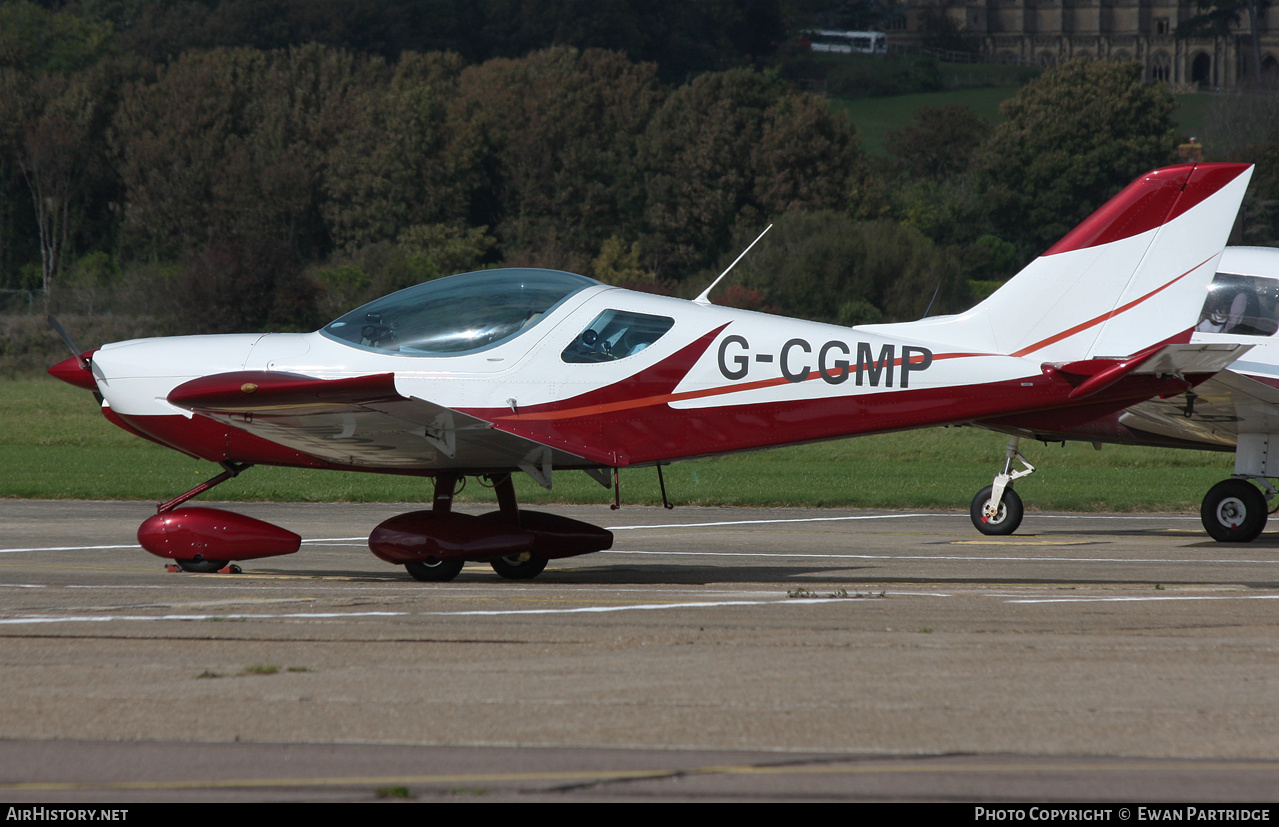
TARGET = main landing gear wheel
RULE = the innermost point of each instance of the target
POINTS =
(435, 571)
(1234, 511)
(1004, 522)
(513, 568)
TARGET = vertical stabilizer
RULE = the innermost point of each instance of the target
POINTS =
(1132, 275)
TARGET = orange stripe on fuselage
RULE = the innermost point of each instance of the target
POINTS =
(666, 398)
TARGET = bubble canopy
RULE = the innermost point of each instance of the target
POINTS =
(457, 315)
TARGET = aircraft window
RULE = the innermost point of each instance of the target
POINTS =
(458, 314)
(615, 335)
(1242, 305)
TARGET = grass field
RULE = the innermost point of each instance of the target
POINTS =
(874, 117)
(55, 444)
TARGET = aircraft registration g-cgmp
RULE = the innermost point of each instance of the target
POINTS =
(537, 371)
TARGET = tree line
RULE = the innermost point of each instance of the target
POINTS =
(224, 188)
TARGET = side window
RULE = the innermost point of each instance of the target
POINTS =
(614, 335)
(1242, 305)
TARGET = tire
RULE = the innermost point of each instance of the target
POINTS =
(434, 571)
(512, 568)
(1234, 511)
(201, 566)
(1008, 518)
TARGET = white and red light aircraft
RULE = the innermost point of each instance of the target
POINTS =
(1236, 410)
(502, 371)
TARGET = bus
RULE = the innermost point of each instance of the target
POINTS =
(862, 43)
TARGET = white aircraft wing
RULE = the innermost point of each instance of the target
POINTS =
(364, 422)
(1216, 412)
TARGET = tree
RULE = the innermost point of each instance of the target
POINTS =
(161, 30)
(50, 130)
(556, 133)
(242, 284)
(827, 267)
(231, 143)
(940, 142)
(858, 15)
(53, 122)
(514, 28)
(1074, 137)
(807, 158)
(737, 146)
(393, 163)
(1259, 218)
(37, 40)
(1216, 18)
(1240, 117)
(616, 264)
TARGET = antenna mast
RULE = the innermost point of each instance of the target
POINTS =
(705, 298)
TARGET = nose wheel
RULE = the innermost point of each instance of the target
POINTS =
(997, 509)
(1007, 516)
(1234, 511)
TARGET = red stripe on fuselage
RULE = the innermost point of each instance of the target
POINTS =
(660, 432)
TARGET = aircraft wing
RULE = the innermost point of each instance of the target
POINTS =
(1206, 415)
(365, 422)
(1219, 409)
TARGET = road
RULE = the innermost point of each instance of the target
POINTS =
(713, 654)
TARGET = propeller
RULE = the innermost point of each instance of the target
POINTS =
(66, 337)
(78, 370)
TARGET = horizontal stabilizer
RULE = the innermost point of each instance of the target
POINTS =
(1091, 376)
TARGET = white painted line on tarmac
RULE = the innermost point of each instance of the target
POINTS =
(1116, 517)
(646, 607)
(106, 618)
(641, 607)
(360, 541)
(770, 522)
(67, 548)
(938, 557)
(1145, 599)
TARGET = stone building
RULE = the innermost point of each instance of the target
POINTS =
(1051, 32)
